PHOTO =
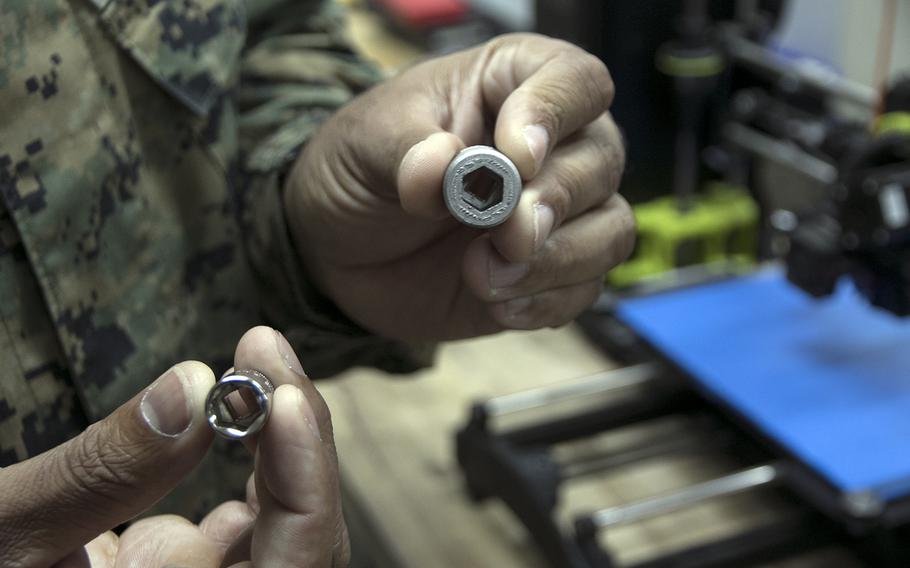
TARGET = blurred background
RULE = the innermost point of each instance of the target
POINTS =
(740, 396)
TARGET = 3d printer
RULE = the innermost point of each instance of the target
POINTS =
(808, 397)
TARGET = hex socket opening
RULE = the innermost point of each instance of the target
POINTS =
(482, 188)
(239, 404)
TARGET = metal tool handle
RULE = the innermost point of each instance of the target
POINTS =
(585, 386)
(732, 484)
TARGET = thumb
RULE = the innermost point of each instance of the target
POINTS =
(55, 502)
(421, 171)
(393, 141)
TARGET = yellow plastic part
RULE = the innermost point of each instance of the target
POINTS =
(704, 66)
(897, 122)
(721, 226)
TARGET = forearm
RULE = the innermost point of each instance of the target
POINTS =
(298, 72)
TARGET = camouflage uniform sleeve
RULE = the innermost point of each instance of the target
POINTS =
(297, 69)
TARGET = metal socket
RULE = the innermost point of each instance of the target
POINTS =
(481, 187)
(246, 412)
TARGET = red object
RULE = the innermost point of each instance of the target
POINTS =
(422, 14)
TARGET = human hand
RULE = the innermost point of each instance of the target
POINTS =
(53, 504)
(365, 198)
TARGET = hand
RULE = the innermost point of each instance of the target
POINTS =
(365, 198)
(53, 504)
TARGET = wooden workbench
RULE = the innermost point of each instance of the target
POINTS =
(396, 445)
(396, 437)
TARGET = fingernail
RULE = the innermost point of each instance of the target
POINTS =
(164, 406)
(503, 274)
(308, 415)
(514, 308)
(287, 354)
(538, 140)
(543, 224)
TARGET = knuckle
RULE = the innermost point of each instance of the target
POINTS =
(547, 309)
(100, 462)
(17, 558)
(626, 233)
(586, 296)
(323, 413)
(553, 104)
(24, 532)
(15, 543)
(588, 73)
(578, 251)
(321, 409)
(594, 290)
(320, 520)
(341, 551)
(537, 313)
(562, 315)
(565, 319)
(519, 38)
(569, 179)
(512, 38)
(599, 78)
(557, 252)
(556, 43)
(579, 74)
(611, 153)
(596, 177)
(616, 137)
(618, 147)
(555, 308)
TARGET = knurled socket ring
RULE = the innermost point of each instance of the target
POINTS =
(242, 415)
(481, 187)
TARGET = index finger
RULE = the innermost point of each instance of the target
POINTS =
(300, 521)
(544, 89)
(266, 350)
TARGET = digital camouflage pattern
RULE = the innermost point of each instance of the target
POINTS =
(142, 149)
